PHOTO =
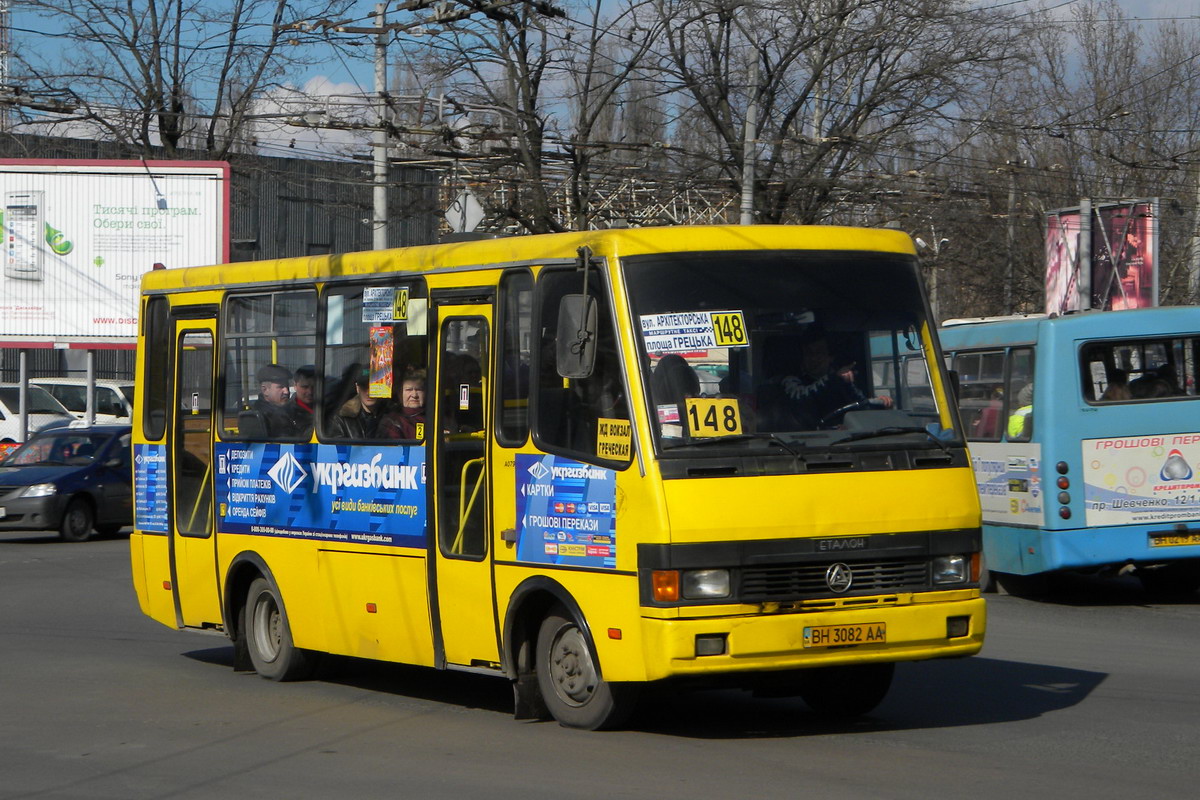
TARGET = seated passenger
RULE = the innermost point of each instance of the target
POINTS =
(302, 401)
(1020, 422)
(402, 423)
(272, 405)
(1118, 387)
(359, 417)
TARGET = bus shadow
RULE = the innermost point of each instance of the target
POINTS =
(463, 689)
(932, 694)
(1079, 589)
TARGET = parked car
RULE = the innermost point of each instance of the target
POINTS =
(113, 404)
(43, 410)
(71, 479)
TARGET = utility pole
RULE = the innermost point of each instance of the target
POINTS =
(1085, 254)
(379, 222)
(5, 46)
(1011, 237)
(1193, 295)
(748, 150)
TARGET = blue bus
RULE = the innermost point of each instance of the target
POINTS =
(1084, 432)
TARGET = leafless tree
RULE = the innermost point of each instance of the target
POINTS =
(835, 83)
(169, 73)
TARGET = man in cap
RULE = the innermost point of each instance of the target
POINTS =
(272, 403)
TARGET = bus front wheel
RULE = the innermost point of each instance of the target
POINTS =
(848, 691)
(570, 683)
(268, 637)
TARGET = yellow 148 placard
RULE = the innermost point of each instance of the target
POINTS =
(729, 329)
(713, 416)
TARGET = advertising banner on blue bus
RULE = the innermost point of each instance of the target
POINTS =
(368, 495)
(1142, 479)
(1009, 478)
(566, 512)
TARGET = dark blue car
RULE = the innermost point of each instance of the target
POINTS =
(70, 479)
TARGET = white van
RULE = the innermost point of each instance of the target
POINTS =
(43, 410)
(114, 399)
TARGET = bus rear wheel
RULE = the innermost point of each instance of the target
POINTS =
(1177, 581)
(570, 683)
(848, 691)
(268, 637)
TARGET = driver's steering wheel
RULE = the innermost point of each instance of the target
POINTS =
(834, 417)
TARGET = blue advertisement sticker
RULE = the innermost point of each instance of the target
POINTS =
(368, 495)
(150, 487)
(566, 512)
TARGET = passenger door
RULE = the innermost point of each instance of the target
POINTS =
(465, 616)
(193, 544)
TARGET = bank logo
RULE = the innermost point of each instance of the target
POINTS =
(287, 473)
(539, 470)
(838, 577)
(1175, 468)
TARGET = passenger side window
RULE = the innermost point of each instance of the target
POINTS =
(981, 394)
(157, 376)
(1140, 369)
(269, 338)
(1019, 393)
(374, 386)
(586, 417)
(516, 356)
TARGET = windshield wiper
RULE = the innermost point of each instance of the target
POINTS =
(763, 436)
(892, 430)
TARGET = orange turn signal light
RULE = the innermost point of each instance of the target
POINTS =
(666, 585)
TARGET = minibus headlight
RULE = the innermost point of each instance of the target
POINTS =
(950, 569)
(700, 584)
(39, 490)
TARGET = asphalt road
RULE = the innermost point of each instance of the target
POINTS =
(1090, 694)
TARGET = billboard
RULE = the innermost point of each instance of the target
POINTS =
(1062, 262)
(79, 235)
(1118, 242)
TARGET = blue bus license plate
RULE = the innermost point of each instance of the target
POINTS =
(1174, 539)
(843, 635)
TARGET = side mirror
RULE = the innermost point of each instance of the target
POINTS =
(575, 354)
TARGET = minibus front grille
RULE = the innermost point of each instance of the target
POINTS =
(799, 581)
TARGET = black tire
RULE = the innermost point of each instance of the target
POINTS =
(269, 638)
(77, 520)
(1027, 586)
(570, 683)
(987, 578)
(846, 692)
(1177, 581)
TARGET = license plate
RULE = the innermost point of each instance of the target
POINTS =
(845, 635)
(1174, 539)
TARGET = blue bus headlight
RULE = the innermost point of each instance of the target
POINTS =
(950, 569)
(702, 584)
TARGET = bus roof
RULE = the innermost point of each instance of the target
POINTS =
(996, 331)
(535, 249)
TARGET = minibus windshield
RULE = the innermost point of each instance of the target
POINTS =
(789, 350)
